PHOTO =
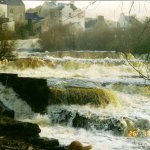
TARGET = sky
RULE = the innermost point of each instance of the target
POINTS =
(109, 9)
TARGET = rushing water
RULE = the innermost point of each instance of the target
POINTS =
(79, 82)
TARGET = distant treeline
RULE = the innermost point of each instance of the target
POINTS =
(135, 38)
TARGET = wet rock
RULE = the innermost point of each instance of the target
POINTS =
(77, 145)
(98, 97)
(90, 121)
(61, 116)
(143, 124)
(118, 126)
(14, 144)
(81, 121)
(61, 147)
(13, 128)
(45, 143)
(5, 111)
(7, 143)
(34, 91)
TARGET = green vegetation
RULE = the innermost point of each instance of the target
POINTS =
(59, 37)
(134, 39)
(24, 31)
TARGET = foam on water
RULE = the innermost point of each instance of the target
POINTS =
(29, 45)
(93, 72)
(133, 105)
(100, 140)
(12, 101)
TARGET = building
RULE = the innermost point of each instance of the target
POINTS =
(111, 23)
(13, 9)
(126, 21)
(90, 23)
(50, 11)
(7, 25)
(36, 24)
(63, 13)
(70, 14)
(33, 10)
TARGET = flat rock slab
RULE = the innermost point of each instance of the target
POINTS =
(7, 143)
(15, 128)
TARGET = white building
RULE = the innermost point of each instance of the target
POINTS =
(64, 13)
(8, 25)
(3, 9)
(70, 14)
(14, 9)
(126, 21)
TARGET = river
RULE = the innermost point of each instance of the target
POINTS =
(98, 99)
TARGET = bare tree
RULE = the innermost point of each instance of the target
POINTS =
(59, 37)
(139, 38)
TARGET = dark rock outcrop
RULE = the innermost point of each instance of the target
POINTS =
(7, 143)
(81, 122)
(61, 147)
(61, 116)
(89, 121)
(99, 123)
(34, 91)
(13, 128)
(19, 135)
(5, 111)
(45, 143)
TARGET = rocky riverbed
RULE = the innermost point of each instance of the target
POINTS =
(17, 135)
(94, 97)
(23, 135)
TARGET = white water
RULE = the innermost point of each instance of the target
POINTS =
(93, 73)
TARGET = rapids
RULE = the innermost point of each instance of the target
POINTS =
(81, 83)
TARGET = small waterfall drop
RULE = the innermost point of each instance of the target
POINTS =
(12, 101)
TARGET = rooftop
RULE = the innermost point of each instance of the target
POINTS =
(12, 2)
(32, 16)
